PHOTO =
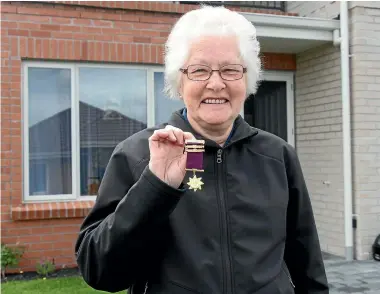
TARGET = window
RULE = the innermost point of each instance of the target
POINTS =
(164, 107)
(110, 110)
(49, 123)
(75, 115)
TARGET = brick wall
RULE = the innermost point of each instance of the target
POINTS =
(365, 81)
(319, 140)
(117, 32)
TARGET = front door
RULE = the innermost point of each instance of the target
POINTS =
(271, 108)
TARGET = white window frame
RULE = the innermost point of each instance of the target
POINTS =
(75, 132)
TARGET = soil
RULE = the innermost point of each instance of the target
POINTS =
(67, 272)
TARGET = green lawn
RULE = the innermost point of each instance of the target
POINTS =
(70, 285)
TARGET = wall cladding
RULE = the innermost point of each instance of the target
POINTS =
(319, 140)
(365, 81)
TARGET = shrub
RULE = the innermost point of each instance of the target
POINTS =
(10, 256)
(45, 268)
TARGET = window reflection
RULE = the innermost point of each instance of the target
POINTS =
(49, 121)
(164, 107)
(112, 107)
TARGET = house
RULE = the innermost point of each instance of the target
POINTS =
(78, 77)
(99, 132)
(337, 106)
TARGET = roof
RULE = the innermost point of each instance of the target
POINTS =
(292, 34)
(98, 128)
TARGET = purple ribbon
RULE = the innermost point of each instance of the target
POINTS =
(194, 160)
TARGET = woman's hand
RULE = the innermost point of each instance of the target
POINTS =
(167, 159)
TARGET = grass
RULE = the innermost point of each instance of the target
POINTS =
(66, 285)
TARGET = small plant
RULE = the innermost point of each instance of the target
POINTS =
(45, 268)
(10, 256)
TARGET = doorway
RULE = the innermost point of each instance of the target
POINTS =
(272, 107)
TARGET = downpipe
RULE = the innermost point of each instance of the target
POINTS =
(343, 42)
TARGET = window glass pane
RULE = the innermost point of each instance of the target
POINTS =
(49, 122)
(37, 177)
(112, 107)
(164, 106)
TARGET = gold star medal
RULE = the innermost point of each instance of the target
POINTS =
(194, 163)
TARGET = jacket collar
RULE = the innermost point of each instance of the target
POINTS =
(242, 129)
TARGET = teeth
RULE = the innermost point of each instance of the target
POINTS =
(215, 101)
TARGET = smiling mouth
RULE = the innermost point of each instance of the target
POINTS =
(215, 101)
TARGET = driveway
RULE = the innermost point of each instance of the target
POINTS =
(353, 277)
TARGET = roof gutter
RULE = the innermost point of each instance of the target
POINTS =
(307, 28)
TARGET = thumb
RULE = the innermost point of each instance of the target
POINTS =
(188, 136)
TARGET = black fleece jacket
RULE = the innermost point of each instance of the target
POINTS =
(249, 230)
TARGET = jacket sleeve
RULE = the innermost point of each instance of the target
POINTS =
(303, 255)
(118, 240)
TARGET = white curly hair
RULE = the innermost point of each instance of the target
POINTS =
(210, 21)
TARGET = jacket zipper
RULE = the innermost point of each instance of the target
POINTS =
(146, 288)
(224, 227)
(290, 278)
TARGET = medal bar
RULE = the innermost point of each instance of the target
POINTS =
(195, 149)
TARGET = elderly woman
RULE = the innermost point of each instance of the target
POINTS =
(205, 203)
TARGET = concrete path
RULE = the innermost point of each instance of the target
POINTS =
(353, 277)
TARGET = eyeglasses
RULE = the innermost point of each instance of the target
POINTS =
(199, 72)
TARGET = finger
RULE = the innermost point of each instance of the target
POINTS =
(178, 133)
(164, 135)
(158, 135)
(172, 134)
(188, 136)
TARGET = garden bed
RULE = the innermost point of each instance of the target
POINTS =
(69, 272)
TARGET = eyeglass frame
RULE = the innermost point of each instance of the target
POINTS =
(186, 71)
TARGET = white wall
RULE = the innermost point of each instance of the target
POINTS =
(365, 81)
(320, 153)
(319, 140)
(318, 9)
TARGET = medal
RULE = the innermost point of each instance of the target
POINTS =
(194, 163)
